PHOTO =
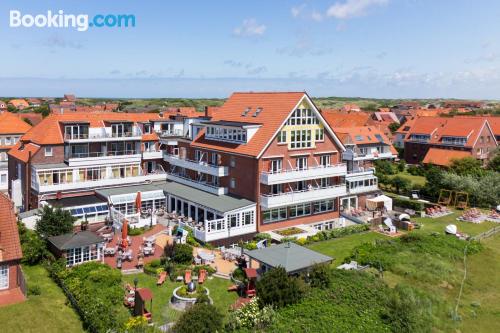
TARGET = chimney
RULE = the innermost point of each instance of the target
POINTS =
(208, 113)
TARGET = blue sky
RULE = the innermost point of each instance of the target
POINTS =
(368, 48)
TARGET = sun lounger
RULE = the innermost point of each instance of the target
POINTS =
(187, 276)
(202, 276)
(161, 279)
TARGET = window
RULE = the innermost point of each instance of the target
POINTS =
(323, 206)
(300, 210)
(379, 137)
(233, 183)
(324, 160)
(226, 134)
(324, 182)
(3, 156)
(300, 139)
(232, 162)
(359, 138)
(7, 140)
(303, 117)
(4, 277)
(300, 185)
(481, 139)
(320, 134)
(301, 163)
(248, 218)
(197, 155)
(276, 166)
(282, 137)
(273, 215)
(276, 188)
(48, 151)
(3, 179)
(147, 128)
(234, 220)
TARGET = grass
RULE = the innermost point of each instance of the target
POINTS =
(439, 224)
(47, 312)
(163, 313)
(416, 180)
(340, 248)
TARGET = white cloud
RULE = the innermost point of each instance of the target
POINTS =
(316, 16)
(352, 8)
(301, 11)
(249, 28)
(296, 10)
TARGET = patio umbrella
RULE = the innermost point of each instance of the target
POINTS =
(124, 233)
(138, 202)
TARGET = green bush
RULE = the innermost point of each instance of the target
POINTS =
(320, 276)
(54, 222)
(417, 206)
(278, 289)
(210, 270)
(261, 236)
(136, 231)
(182, 254)
(34, 290)
(153, 267)
(33, 247)
(200, 318)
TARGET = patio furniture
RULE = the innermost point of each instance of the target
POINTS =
(161, 278)
(197, 261)
(110, 251)
(206, 257)
(148, 250)
(187, 276)
(108, 237)
(140, 261)
(202, 276)
(127, 255)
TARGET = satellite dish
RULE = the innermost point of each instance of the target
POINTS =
(388, 222)
(451, 229)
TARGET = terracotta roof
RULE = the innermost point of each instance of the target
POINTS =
(19, 102)
(23, 154)
(388, 117)
(35, 118)
(150, 137)
(49, 130)
(276, 106)
(10, 246)
(184, 111)
(443, 157)
(363, 135)
(11, 124)
(145, 294)
(337, 118)
(351, 107)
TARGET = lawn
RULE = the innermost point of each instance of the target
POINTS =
(340, 248)
(439, 224)
(163, 313)
(47, 312)
(417, 180)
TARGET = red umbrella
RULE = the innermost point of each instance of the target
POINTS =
(138, 202)
(124, 243)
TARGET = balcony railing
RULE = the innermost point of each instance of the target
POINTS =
(297, 197)
(168, 134)
(199, 166)
(135, 133)
(201, 185)
(102, 154)
(293, 175)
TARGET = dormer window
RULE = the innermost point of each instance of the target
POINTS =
(454, 140)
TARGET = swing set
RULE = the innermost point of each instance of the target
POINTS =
(454, 198)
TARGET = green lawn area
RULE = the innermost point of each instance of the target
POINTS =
(47, 312)
(438, 224)
(417, 180)
(163, 313)
(340, 248)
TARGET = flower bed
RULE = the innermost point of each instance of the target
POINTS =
(289, 231)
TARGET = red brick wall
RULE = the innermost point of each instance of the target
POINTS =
(57, 155)
(487, 147)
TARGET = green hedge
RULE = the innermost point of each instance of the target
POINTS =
(329, 234)
(405, 203)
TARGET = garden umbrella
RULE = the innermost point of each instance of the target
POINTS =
(124, 233)
(138, 202)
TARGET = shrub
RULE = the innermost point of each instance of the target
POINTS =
(182, 254)
(33, 247)
(320, 276)
(401, 165)
(401, 184)
(54, 222)
(278, 289)
(135, 231)
(136, 323)
(250, 245)
(34, 290)
(261, 236)
(250, 317)
(384, 167)
(153, 268)
(210, 270)
(405, 203)
(200, 318)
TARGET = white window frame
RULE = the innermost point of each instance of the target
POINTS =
(4, 277)
(48, 151)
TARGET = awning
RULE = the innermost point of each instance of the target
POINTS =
(130, 197)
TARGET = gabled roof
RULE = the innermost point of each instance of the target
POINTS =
(74, 240)
(11, 124)
(19, 102)
(290, 256)
(23, 154)
(275, 109)
(443, 157)
(363, 135)
(10, 246)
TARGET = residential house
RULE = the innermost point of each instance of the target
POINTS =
(382, 120)
(474, 137)
(351, 107)
(11, 129)
(364, 145)
(34, 102)
(19, 104)
(69, 98)
(458, 104)
(12, 284)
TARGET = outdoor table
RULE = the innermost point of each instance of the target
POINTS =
(206, 257)
(148, 250)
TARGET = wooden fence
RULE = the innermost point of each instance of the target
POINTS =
(487, 233)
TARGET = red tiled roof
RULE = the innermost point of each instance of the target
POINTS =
(362, 135)
(34, 118)
(23, 154)
(276, 106)
(19, 102)
(443, 157)
(11, 124)
(337, 118)
(150, 137)
(10, 246)
(145, 294)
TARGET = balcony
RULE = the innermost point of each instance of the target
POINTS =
(170, 134)
(359, 156)
(202, 233)
(99, 158)
(197, 184)
(199, 166)
(296, 197)
(104, 134)
(152, 154)
(104, 182)
(361, 181)
(294, 175)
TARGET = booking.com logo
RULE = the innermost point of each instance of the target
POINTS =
(80, 22)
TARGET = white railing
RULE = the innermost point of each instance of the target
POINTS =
(197, 184)
(167, 134)
(200, 166)
(105, 133)
(205, 235)
(293, 175)
(297, 197)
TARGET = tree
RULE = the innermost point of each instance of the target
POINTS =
(401, 165)
(393, 127)
(200, 318)
(384, 167)
(467, 166)
(33, 247)
(43, 109)
(494, 163)
(401, 184)
(54, 222)
(278, 289)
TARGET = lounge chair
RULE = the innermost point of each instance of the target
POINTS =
(161, 278)
(202, 276)
(187, 276)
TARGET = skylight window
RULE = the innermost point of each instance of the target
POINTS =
(246, 111)
(379, 137)
(259, 110)
(359, 138)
